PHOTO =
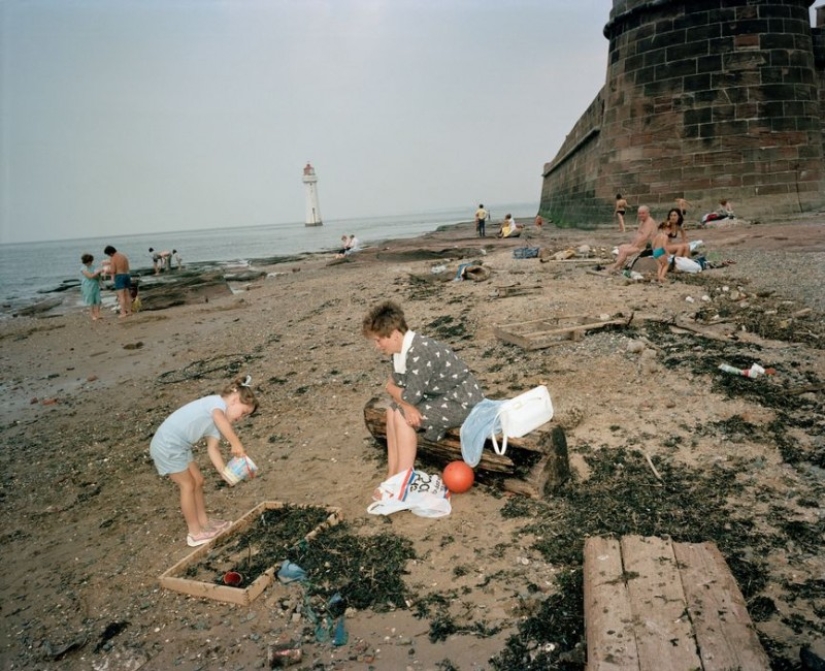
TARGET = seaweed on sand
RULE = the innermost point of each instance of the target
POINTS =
(226, 366)
(366, 571)
(553, 638)
(623, 496)
(266, 543)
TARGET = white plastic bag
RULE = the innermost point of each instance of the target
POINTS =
(422, 494)
(686, 265)
(523, 414)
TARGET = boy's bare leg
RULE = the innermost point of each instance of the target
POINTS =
(402, 443)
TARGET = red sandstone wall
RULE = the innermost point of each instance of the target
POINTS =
(574, 171)
(706, 99)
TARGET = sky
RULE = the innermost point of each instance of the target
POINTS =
(139, 116)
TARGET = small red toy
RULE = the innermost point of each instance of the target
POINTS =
(458, 476)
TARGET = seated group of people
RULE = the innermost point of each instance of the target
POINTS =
(350, 245)
(509, 228)
(668, 238)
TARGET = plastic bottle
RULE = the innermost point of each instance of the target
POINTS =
(725, 368)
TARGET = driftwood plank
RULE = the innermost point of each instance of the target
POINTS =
(724, 631)
(663, 630)
(611, 641)
(550, 331)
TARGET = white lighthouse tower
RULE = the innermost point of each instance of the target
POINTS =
(313, 217)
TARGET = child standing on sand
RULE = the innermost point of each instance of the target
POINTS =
(659, 250)
(90, 285)
(210, 417)
(430, 387)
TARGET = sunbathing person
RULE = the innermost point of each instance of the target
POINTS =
(509, 229)
(647, 228)
(677, 243)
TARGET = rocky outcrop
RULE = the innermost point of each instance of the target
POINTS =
(182, 289)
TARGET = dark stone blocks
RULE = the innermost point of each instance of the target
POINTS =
(688, 51)
(676, 69)
(776, 41)
(697, 116)
(709, 98)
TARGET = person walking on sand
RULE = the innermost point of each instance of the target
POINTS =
(210, 417)
(123, 280)
(619, 211)
(481, 221)
(647, 227)
(430, 387)
(90, 285)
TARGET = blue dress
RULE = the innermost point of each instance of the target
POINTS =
(90, 287)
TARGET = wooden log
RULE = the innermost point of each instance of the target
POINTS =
(537, 463)
(724, 632)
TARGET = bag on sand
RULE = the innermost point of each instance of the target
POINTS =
(526, 252)
(686, 265)
(422, 494)
(523, 414)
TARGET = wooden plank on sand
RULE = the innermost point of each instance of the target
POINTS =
(654, 605)
(663, 629)
(611, 641)
(724, 631)
(550, 331)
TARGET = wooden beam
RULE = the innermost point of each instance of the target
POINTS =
(611, 641)
(724, 631)
(663, 630)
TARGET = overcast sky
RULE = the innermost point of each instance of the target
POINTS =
(137, 116)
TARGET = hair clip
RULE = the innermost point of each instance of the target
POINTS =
(247, 381)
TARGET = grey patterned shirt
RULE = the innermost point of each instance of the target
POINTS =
(439, 385)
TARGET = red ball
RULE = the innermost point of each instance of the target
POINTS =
(458, 476)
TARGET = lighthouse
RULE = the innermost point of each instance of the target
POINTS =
(313, 217)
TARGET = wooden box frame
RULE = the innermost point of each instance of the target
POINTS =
(243, 596)
(554, 330)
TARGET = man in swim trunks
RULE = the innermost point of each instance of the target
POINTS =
(123, 280)
(646, 230)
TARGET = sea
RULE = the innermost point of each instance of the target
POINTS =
(32, 272)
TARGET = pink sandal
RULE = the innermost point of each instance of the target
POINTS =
(195, 540)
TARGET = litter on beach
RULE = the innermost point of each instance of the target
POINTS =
(754, 371)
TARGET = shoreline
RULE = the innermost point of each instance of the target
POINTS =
(88, 526)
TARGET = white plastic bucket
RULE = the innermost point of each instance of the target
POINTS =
(239, 468)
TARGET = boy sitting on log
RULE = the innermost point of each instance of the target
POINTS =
(430, 387)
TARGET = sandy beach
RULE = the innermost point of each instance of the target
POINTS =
(88, 526)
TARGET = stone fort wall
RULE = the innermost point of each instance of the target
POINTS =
(705, 99)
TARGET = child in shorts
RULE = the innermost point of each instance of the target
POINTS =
(212, 418)
(660, 241)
